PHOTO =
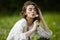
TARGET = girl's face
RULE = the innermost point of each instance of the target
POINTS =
(31, 11)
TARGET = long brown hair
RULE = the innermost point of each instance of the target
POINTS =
(24, 10)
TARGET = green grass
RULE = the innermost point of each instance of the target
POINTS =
(51, 18)
(53, 21)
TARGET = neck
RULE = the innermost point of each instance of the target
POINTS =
(29, 21)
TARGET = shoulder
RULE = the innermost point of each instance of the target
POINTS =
(17, 27)
(21, 22)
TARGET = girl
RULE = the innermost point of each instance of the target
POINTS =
(25, 28)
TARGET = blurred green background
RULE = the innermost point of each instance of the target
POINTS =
(10, 14)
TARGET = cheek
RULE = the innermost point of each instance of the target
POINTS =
(28, 12)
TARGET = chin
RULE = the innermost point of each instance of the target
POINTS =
(32, 17)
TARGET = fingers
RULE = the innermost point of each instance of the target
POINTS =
(36, 23)
(36, 20)
(39, 11)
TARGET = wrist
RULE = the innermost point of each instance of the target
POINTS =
(33, 30)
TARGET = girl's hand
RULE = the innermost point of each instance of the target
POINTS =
(36, 24)
(40, 13)
(43, 21)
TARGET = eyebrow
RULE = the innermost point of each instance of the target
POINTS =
(33, 8)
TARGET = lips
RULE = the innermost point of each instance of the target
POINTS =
(33, 14)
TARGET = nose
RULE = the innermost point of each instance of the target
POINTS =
(32, 11)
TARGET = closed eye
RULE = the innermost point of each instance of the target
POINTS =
(30, 9)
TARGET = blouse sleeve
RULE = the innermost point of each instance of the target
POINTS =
(42, 33)
(17, 32)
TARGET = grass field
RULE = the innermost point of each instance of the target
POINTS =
(51, 18)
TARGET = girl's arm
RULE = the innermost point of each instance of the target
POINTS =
(46, 32)
(43, 21)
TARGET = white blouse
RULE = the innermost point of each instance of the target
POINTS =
(17, 32)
